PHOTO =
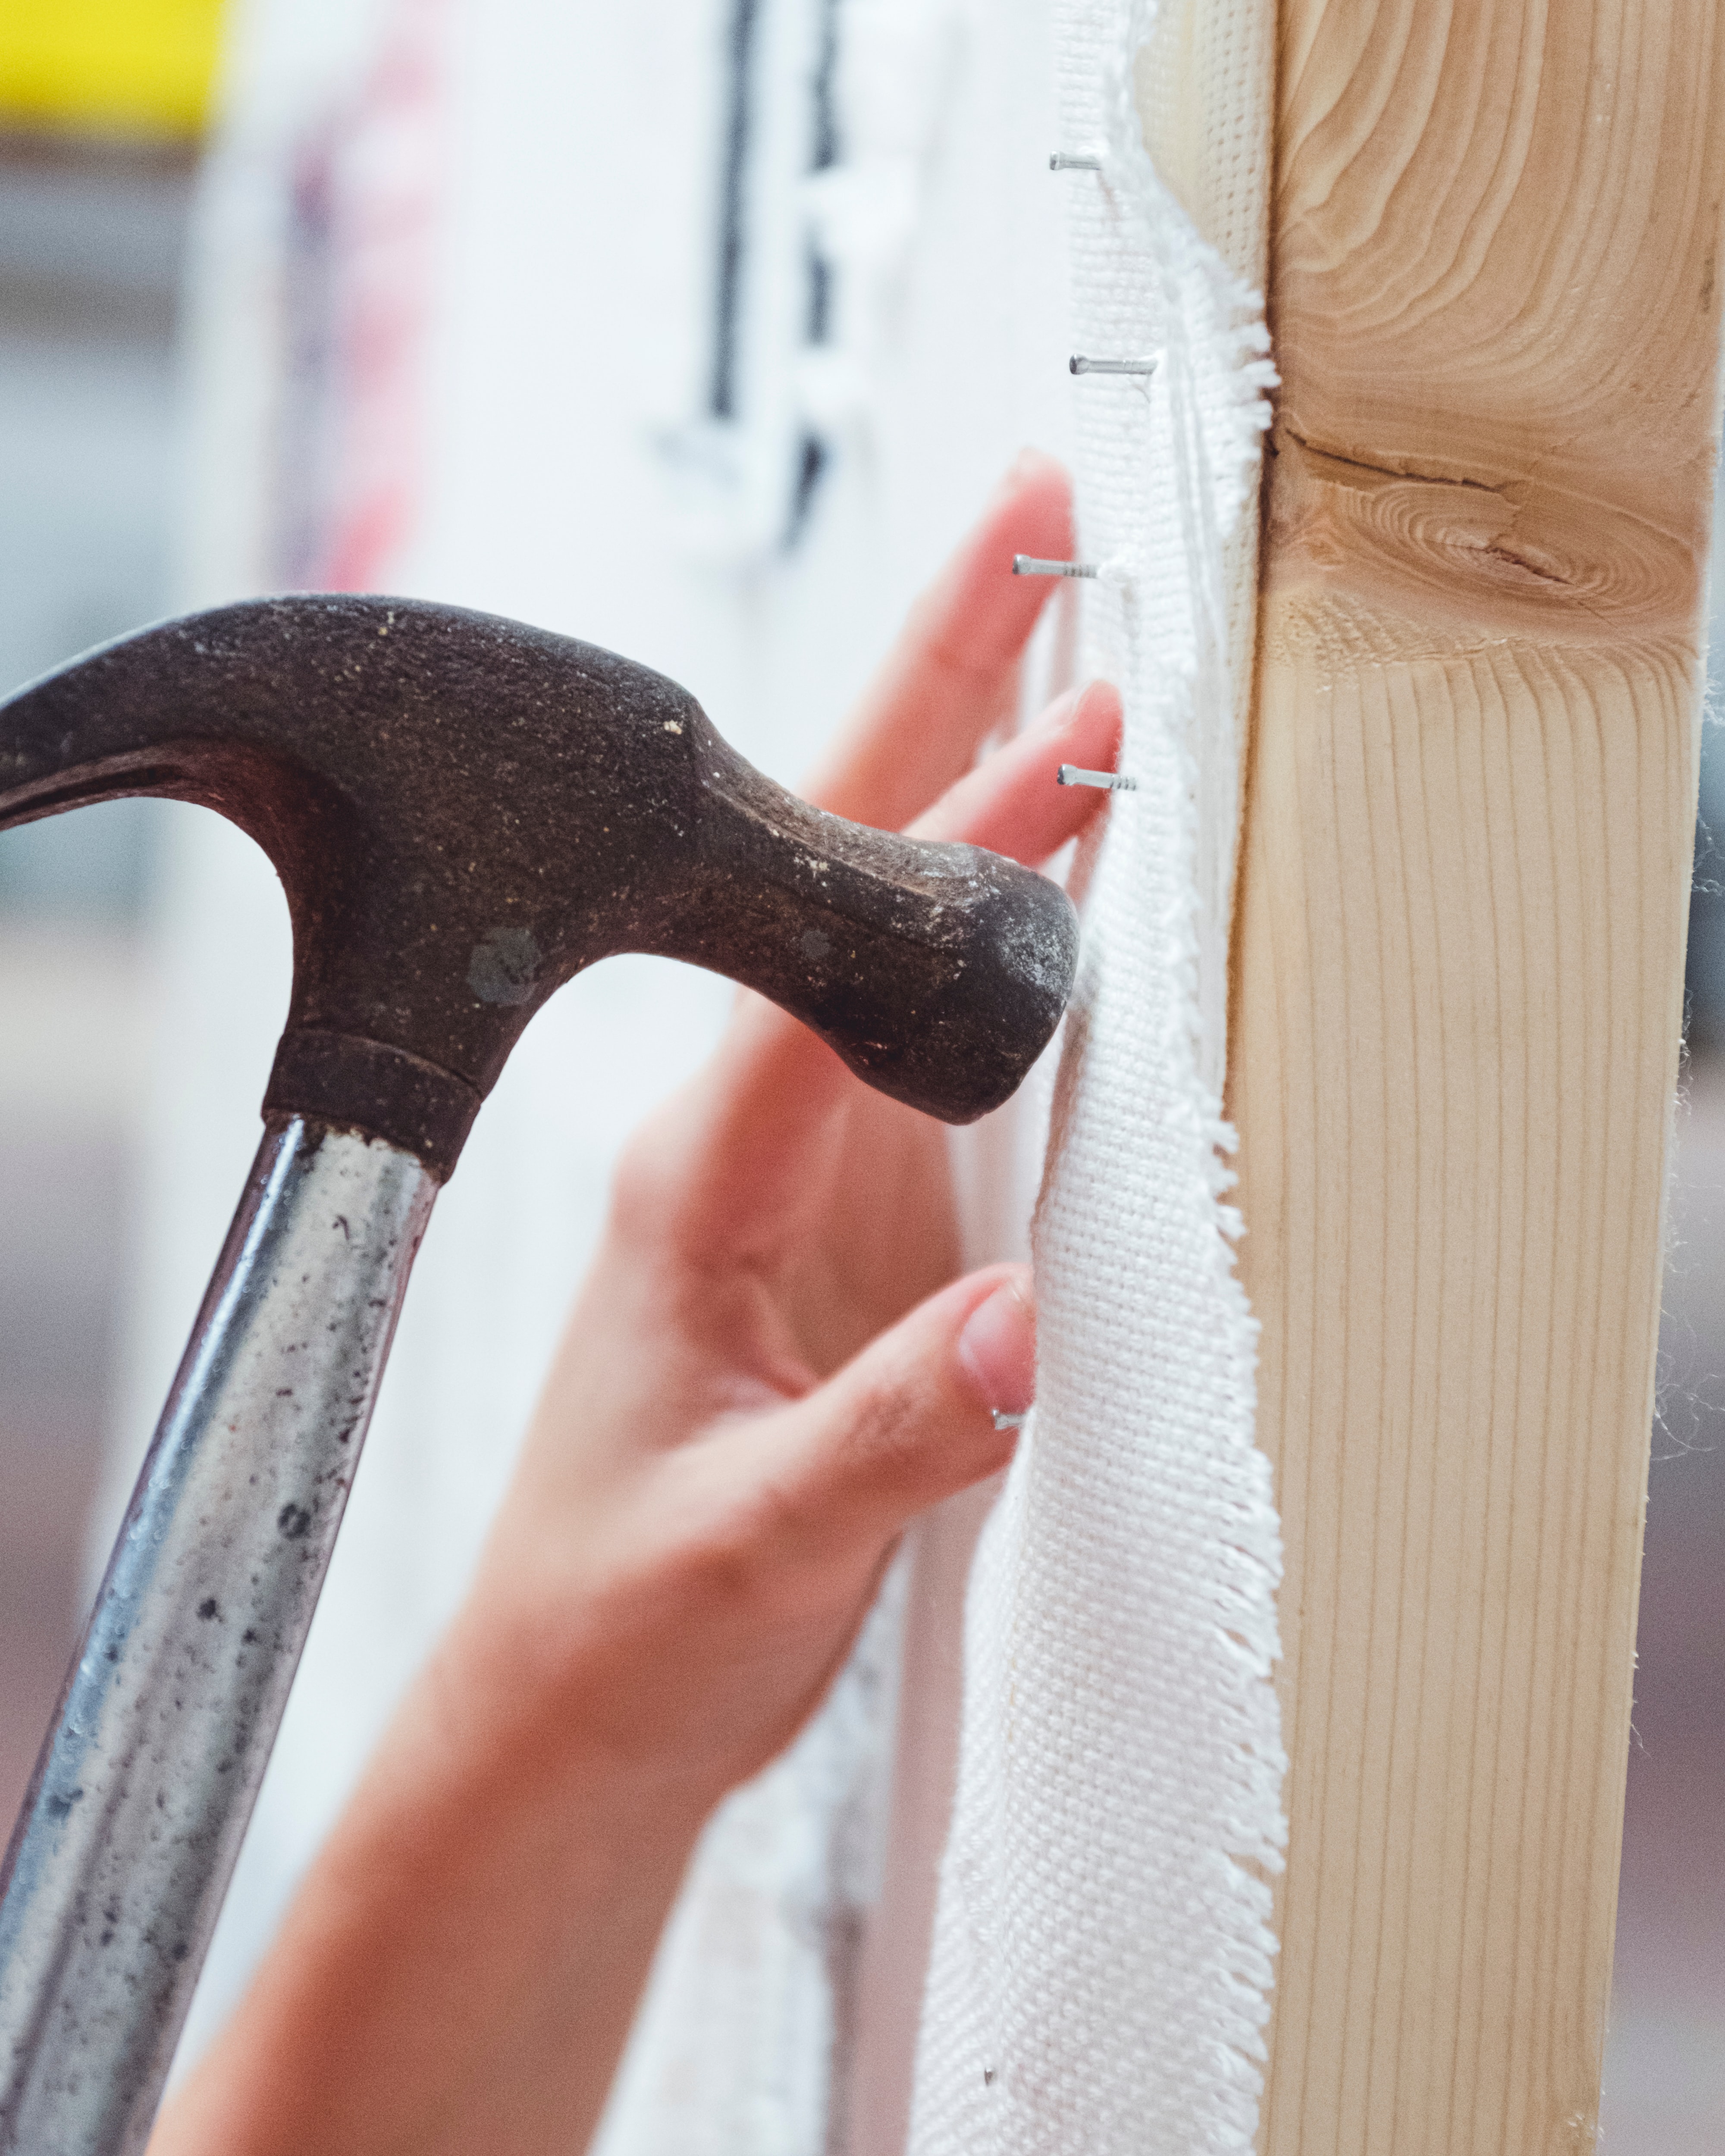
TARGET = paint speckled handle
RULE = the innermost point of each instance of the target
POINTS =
(128, 1835)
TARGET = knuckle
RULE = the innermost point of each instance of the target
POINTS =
(887, 1445)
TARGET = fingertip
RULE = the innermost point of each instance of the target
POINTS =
(1029, 462)
(1054, 716)
(1012, 804)
(1092, 712)
(996, 1346)
(1103, 702)
(1034, 472)
(952, 678)
(1031, 514)
(1096, 725)
(911, 1419)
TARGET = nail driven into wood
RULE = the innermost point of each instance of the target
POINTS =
(1071, 160)
(1004, 1421)
(1027, 565)
(1079, 364)
(1112, 782)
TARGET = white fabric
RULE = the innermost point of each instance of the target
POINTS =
(1102, 1955)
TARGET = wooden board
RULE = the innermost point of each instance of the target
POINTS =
(1456, 996)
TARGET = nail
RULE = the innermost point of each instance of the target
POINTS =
(1033, 564)
(1111, 781)
(1059, 713)
(998, 1347)
(1030, 459)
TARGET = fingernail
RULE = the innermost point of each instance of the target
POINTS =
(998, 1347)
(1025, 462)
(1059, 713)
(1064, 709)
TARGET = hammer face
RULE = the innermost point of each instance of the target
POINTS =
(464, 811)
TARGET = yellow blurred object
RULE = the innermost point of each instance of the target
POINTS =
(109, 67)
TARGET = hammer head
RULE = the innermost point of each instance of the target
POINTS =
(464, 811)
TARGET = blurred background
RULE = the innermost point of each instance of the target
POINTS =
(102, 110)
(105, 108)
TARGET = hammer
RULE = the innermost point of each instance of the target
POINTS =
(464, 811)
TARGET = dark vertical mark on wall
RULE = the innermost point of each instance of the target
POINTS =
(824, 157)
(811, 463)
(725, 392)
(740, 53)
(813, 456)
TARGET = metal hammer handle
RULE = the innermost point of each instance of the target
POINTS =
(123, 1854)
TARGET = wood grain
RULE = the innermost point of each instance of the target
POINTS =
(1456, 996)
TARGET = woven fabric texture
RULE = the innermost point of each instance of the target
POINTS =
(1102, 1955)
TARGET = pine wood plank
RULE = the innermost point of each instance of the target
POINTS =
(1456, 996)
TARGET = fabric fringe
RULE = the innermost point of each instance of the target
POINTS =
(1103, 1954)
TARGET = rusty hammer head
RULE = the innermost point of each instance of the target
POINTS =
(465, 812)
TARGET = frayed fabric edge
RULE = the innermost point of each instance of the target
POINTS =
(1112, 2047)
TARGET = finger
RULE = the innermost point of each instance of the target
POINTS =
(951, 677)
(1012, 803)
(946, 685)
(908, 1422)
(775, 1083)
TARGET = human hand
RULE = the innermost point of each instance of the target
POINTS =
(756, 1391)
(770, 1371)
